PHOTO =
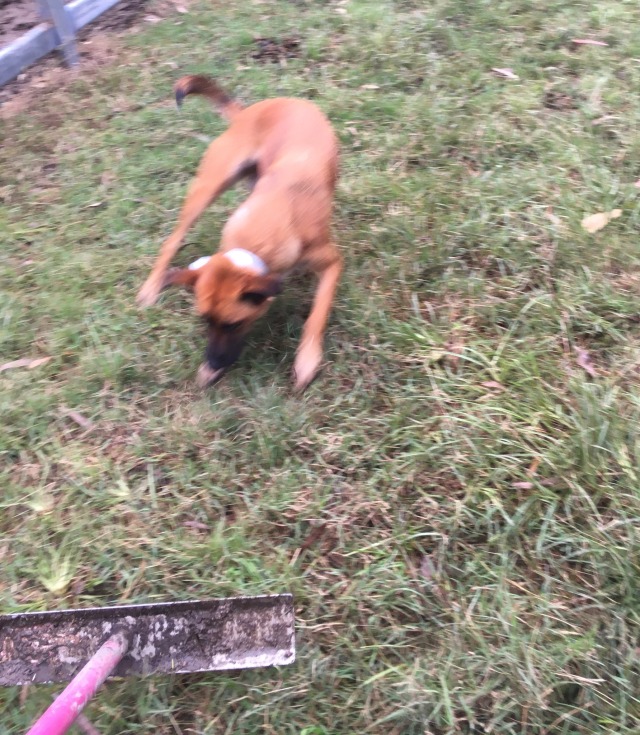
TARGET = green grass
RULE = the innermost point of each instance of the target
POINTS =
(477, 489)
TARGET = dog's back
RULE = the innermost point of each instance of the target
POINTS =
(294, 135)
(290, 134)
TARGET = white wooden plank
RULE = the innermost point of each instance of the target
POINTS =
(84, 11)
(43, 38)
(25, 50)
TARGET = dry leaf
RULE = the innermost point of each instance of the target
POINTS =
(198, 525)
(507, 73)
(522, 485)
(455, 347)
(584, 360)
(427, 567)
(434, 357)
(24, 693)
(314, 536)
(588, 42)
(27, 362)
(81, 420)
(553, 218)
(37, 362)
(595, 222)
(492, 384)
(603, 119)
(78, 587)
(181, 9)
(370, 86)
(84, 725)
(202, 138)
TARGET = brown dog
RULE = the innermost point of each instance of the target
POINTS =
(288, 151)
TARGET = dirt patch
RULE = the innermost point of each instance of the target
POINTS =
(16, 17)
(119, 18)
(560, 101)
(95, 46)
(276, 50)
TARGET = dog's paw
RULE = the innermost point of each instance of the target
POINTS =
(306, 365)
(208, 376)
(148, 294)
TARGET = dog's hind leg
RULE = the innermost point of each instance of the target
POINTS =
(326, 263)
(222, 165)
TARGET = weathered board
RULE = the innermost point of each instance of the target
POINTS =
(59, 32)
(165, 637)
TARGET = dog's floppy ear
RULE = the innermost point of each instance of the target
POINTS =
(261, 288)
(182, 277)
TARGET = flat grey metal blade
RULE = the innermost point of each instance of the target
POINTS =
(165, 638)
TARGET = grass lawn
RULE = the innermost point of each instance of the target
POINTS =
(455, 502)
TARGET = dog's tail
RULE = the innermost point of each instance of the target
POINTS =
(200, 84)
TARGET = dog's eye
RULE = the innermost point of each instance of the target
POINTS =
(229, 327)
(253, 298)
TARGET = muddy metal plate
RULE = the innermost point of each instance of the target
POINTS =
(175, 637)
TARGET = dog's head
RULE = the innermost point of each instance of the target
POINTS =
(229, 299)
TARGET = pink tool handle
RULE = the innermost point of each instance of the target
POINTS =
(60, 716)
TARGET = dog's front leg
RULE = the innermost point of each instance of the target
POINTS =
(219, 169)
(326, 262)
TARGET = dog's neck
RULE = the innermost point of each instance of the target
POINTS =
(239, 257)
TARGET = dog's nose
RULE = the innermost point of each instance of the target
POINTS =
(218, 360)
(219, 356)
(219, 363)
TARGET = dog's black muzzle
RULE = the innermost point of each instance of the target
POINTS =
(223, 353)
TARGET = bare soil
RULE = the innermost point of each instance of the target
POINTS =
(276, 50)
(16, 17)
